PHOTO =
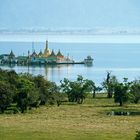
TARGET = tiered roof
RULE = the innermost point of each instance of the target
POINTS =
(40, 54)
(59, 54)
(34, 54)
(11, 54)
(52, 54)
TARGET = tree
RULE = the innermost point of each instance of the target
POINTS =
(42, 85)
(121, 92)
(135, 91)
(96, 89)
(76, 90)
(27, 94)
(47, 90)
(12, 79)
(26, 91)
(53, 94)
(109, 84)
(6, 96)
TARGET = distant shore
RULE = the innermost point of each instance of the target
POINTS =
(69, 38)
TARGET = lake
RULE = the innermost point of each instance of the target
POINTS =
(123, 60)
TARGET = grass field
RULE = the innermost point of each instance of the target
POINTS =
(88, 121)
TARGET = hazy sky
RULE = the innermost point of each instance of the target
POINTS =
(69, 13)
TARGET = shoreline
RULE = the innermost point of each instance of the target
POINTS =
(70, 38)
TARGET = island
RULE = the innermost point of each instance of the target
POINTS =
(42, 58)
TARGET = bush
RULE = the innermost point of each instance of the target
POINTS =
(27, 95)
(137, 136)
(77, 90)
(25, 91)
(6, 96)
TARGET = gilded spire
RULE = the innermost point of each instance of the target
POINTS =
(46, 51)
(47, 44)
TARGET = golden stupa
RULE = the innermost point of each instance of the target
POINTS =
(47, 52)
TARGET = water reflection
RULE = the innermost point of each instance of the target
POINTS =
(53, 73)
(56, 73)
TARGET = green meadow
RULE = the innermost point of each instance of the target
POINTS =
(88, 121)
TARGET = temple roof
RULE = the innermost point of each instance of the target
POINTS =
(34, 54)
(40, 53)
(12, 54)
(59, 54)
(52, 54)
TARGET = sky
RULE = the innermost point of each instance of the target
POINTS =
(15, 14)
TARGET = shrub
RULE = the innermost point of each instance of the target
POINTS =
(6, 96)
(137, 136)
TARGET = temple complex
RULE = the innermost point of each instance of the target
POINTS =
(48, 57)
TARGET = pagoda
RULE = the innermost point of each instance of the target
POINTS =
(34, 54)
(52, 57)
(11, 55)
(60, 57)
(11, 58)
(46, 51)
(40, 54)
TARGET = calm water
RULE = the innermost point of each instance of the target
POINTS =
(122, 59)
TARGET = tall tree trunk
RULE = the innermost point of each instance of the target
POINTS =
(109, 95)
(94, 93)
(121, 103)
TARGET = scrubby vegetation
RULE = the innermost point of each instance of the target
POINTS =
(137, 135)
(24, 91)
(73, 109)
(77, 90)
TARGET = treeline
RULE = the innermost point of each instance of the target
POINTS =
(20, 92)
(24, 91)
(122, 91)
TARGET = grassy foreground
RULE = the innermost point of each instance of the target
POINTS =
(71, 122)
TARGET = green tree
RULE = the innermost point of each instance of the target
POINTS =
(49, 92)
(54, 95)
(121, 92)
(27, 94)
(76, 90)
(109, 84)
(6, 96)
(96, 89)
(42, 86)
(11, 78)
(135, 91)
